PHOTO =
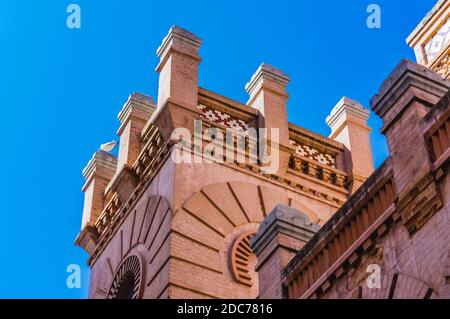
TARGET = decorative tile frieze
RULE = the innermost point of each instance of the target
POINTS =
(313, 153)
(225, 119)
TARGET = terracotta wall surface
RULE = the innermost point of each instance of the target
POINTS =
(189, 230)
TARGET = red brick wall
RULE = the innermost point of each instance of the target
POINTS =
(418, 260)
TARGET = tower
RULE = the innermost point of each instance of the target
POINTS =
(168, 228)
(431, 39)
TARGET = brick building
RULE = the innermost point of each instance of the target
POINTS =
(318, 224)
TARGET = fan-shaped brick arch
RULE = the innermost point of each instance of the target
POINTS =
(127, 283)
(145, 232)
(204, 230)
(243, 260)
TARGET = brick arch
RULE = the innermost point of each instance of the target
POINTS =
(145, 229)
(142, 233)
(399, 286)
(206, 226)
(256, 201)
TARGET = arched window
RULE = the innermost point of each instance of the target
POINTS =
(127, 280)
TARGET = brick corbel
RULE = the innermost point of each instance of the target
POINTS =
(87, 239)
(419, 202)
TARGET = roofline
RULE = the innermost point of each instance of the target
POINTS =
(430, 15)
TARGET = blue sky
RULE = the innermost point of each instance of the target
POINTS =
(61, 90)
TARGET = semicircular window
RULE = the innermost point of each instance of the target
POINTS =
(127, 280)
(243, 259)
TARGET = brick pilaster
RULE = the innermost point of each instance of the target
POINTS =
(280, 236)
